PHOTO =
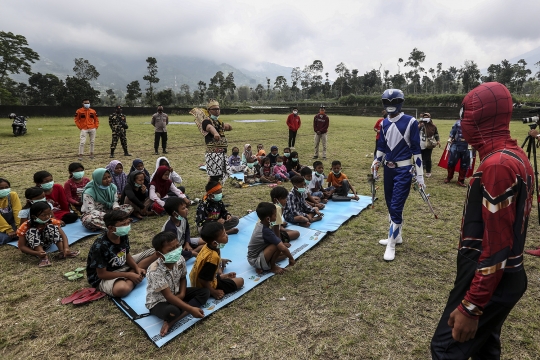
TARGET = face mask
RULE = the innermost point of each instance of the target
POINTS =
(295, 112)
(218, 197)
(336, 172)
(279, 163)
(122, 230)
(4, 192)
(301, 190)
(103, 187)
(86, 106)
(307, 181)
(250, 165)
(172, 257)
(118, 111)
(287, 154)
(35, 201)
(279, 204)
(267, 165)
(77, 175)
(214, 117)
(179, 217)
(235, 153)
(294, 159)
(272, 223)
(39, 221)
(426, 119)
(47, 186)
(138, 185)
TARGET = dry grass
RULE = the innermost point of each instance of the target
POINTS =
(343, 300)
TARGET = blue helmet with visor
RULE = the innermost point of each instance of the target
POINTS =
(392, 100)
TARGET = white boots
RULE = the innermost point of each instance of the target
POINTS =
(394, 237)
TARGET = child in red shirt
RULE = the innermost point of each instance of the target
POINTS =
(55, 196)
(74, 186)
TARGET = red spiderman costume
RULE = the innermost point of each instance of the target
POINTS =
(490, 277)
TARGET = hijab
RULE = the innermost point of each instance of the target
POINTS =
(144, 171)
(248, 154)
(119, 180)
(157, 166)
(131, 178)
(162, 186)
(106, 196)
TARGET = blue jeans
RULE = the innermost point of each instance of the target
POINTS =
(5, 238)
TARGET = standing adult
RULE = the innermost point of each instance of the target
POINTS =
(490, 276)
(399, 141)
(118, 124)
(160, 120)
(459, 151)
(294, 123)
(320, 126)
(216, 142)
(429, 138)
(87, 121)
(377, 129)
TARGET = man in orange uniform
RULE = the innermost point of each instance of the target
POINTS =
(87, 121)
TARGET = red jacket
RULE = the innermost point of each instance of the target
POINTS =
(320, 123)
(378, 126)
(294, 122)
(57, 198)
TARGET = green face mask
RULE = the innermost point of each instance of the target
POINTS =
(4, 192)
(47, 186)
(122, 230)
(307, 181)
(218, 197)
(39, 221)
(77, 175)
(172, 257)
(279, 163)
(287, 154)
(250, 165)
(179, 217)
(138, 185)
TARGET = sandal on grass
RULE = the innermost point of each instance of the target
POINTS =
(44, 263)
(75, 274)
(78, 294)
(92, 297)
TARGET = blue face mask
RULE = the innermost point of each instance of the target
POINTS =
(301, 190)
(250, 165)
(138, 185)
(287, 154)
(103, 187)
(214, 117)
(122, 230)
(218, 197)
(279, 163)
(47, 186)
(180, 217)
(307, 181)
(173, 256)
(4, 192)
(35, 201)
(77, 175)
(272, 223)
(294, 159)
(39, 221)
(336, 172)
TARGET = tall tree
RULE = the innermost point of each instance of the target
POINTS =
(416, 58)
(42, 89)
(75, 90)
(110, 97)
(151, 79)
(216, 85)
(201, 86)
(469, 74)
(15, 55)
(84, 70)
(133, 92)
(228, 85)
(165, 97)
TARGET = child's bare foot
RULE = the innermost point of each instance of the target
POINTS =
(277, 270)
(138, 215)
(164, 329)
(316, 218)
(232, 231)
(258, 271)
(287, 245)
(304, 224)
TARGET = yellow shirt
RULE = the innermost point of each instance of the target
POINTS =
(206, 259)
(15, 208)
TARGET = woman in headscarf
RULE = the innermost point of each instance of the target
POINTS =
(139, 165)
(99, 196)
(429, 138)
(173, 176)
(162, 187)
(136, 194)
(119, 177)
(247, 155)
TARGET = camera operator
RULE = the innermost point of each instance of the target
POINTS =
(534, 133)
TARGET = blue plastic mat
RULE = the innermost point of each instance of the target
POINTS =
(239, 176)
(134, 304)
(74, 233)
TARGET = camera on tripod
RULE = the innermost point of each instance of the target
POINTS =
(532, 119)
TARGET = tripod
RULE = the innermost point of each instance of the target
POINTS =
(531, 148)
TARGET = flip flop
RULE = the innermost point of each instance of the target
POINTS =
(77, 294)
(92, 297)
(44, 263)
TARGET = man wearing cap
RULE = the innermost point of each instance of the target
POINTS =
(320, 126)
(118, 124)
(160, 120)
(216, 142)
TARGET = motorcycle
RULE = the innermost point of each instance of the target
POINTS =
(18, 125)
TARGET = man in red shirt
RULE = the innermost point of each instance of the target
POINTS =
(293, 122)
(377, 129)
(320, 126)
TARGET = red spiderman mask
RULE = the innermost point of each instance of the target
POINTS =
(485, 118)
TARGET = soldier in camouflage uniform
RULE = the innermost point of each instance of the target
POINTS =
(118, 124)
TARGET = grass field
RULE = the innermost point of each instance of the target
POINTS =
(342, 300)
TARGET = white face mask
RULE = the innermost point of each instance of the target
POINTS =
(86, 106)
(295, 112)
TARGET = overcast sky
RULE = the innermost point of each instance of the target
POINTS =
(361, 33)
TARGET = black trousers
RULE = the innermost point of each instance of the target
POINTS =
(292, 137)
(426, 158)
(486, 343)
(194, 296)
(163, 136)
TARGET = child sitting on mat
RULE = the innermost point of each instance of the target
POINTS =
(212, 209)
(56, 196)
(136, 194)
(138, 164)
(119, 177)
(280, 170)
(235, 161)
(286, 155)
(247, 155)
(74, 186)
(266, 172)
(167, 294)
(207, 272)
(110, 267)
(265, 249)
(293, 165)
(339, 183)
(297, 210)
(261, 153)
(273, 155)
(40, 231)
(278, 195)
(178, 225)
(251, 174)
(33, 195)
(310, 199)
(316, 186)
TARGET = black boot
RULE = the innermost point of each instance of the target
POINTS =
(112, 153)
(126, 152)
